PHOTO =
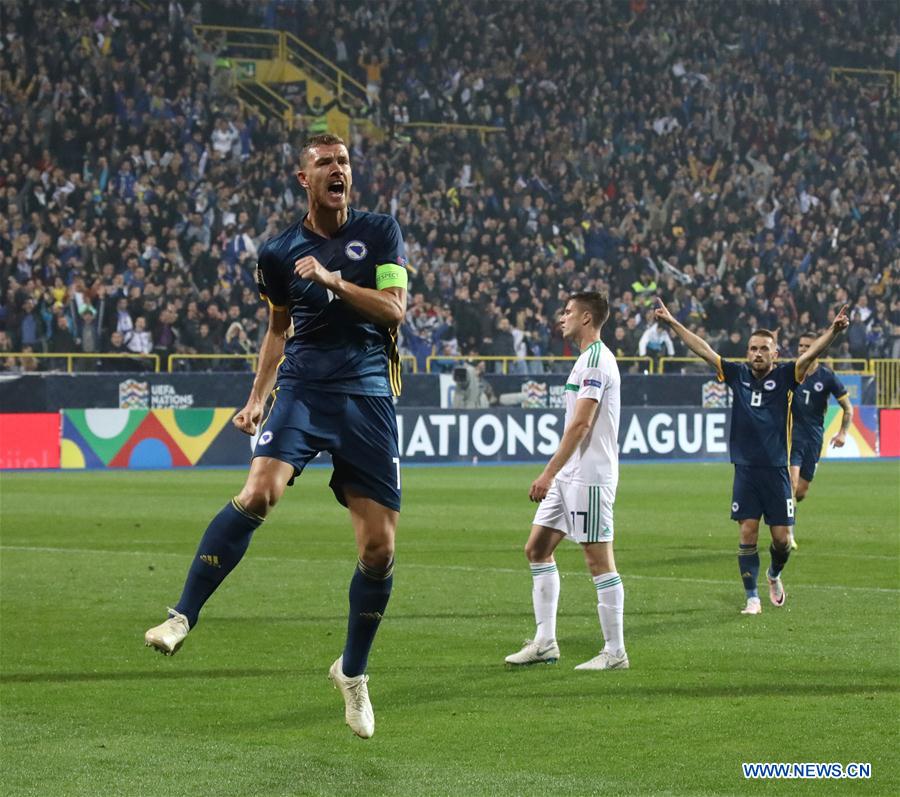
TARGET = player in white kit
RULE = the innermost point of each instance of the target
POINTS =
(576, 492)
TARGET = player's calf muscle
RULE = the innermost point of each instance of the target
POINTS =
(259, 496)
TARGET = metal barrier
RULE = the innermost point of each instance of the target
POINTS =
(887, 382)
(692, 364)
(252, 358)
(887, 77)
(258, 95)
(70, 357)
(847, 365)
(482, 130)
(647, 362)
(841, 365)
(246, 43)
(321, 68)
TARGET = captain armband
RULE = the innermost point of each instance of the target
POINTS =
(390, 275)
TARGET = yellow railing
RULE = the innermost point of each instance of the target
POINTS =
(887, 382)
(842, 365)
(251, 358)
(405, 360)
(482, 130)
(250, 43)
(887, 76)
(847, 365)
(252, 91)
(646, 362)
(70, 357)
(680, 362)
(320, 68)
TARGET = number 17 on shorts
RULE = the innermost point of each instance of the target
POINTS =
(583, 512)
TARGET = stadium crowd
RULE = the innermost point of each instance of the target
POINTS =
(698, 150)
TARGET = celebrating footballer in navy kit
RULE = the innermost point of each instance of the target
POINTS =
(335, 282)
(808, 410)
(759, 444)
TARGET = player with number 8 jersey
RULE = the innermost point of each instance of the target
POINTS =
(760, 439)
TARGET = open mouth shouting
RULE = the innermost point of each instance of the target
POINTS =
(336, 189)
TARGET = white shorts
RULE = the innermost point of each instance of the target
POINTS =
(583, 512)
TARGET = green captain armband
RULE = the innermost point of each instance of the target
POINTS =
(390, 275)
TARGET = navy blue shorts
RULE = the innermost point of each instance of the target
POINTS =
(360, 433)
(805, 453)
(762, 491)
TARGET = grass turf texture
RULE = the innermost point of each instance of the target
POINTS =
(90, 560)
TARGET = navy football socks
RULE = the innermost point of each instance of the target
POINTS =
(780, 556)
(221, 548)
(370, 590)
(748, 562)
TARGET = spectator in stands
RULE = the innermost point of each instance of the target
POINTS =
(139, 340)
(655, 342)
(88, 331)
(502, 344)
(61, 339)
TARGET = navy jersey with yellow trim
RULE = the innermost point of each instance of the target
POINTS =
(760, 414)
(811, 401)
(334, 348)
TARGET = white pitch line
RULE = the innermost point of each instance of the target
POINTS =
(459, 568)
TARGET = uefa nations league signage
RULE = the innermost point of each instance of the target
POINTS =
(516, 434)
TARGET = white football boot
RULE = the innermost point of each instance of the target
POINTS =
(167, 637)
(606, 660)
(753, 606)
(535, 653)
(776, 591)
(357, 708)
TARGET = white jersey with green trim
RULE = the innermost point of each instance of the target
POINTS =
(595, 376)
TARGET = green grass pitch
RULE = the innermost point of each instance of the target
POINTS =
(90, 560)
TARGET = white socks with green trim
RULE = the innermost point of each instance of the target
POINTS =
(545, 597)
(610, 607)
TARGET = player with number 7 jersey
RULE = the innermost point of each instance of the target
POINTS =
(760, 439)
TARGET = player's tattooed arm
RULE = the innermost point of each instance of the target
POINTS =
(694, 342)
(820, 344)
(841, 437)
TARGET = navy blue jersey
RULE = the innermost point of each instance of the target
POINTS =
(760, 413)
(334, 348)
(811, 401)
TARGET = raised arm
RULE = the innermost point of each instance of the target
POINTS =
(694, 342)
(820, 344)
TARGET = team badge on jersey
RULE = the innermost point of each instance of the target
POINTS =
(818, 387)
(769, 384)
(356, 250)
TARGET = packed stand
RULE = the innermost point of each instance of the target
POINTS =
(696, 150)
